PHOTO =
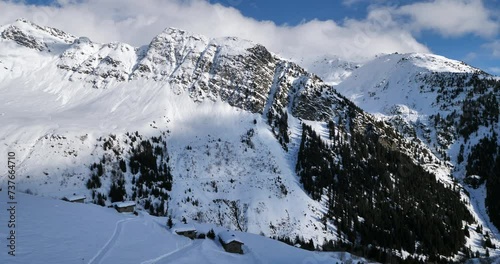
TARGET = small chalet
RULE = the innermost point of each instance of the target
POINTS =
(125, 207)
(230, 242)
(186, 230)
(75, 199)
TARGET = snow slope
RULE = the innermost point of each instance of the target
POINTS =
(412, 91)
(49, 145)
(87, 233)
(381, 85)
(332, 70)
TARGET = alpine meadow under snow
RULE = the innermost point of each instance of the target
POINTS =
(227, 135)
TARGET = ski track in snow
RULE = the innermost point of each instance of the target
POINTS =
(125, 239)
(155, 260)
(111, 242)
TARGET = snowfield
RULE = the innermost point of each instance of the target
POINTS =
(52, 144)
(54, 231)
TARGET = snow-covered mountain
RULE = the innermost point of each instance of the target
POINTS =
(450, 106)
(223, 131)
(332, 70)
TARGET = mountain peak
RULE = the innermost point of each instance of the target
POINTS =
(427, 61)
(24, 20)
(33, 36)
(174, 30)
(391, 79)
(176, 34)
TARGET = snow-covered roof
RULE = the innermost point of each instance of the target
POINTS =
(228, 237)
(75, 198)
(125, 204)
(181, 227)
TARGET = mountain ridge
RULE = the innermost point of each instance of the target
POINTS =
(207, 112)
(448, 105)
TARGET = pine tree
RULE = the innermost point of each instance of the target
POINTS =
(169, 222)
(211, 234)
(123, 166)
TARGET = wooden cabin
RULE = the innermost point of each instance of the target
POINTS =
(75, 199)
(186, 230)
(230, 242)
(125, 207)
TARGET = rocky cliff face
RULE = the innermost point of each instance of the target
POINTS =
(242, 73)
(33, 36)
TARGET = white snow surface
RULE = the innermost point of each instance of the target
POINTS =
(181, 227)
(332, 70)
(75, 197)
(387, 83)
(125, 204)
(91, 234)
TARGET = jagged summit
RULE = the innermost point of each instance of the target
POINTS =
(171, 34)
(33, 36)
(238, 71)
(173, 55)
(174, 30)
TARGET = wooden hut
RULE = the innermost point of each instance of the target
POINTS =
(125, 207)
(75, 199)
(230, 242)
(186, 230)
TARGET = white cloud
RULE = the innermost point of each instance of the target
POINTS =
(494, 47)
(351, 2)
(451, 17)
(137, 22)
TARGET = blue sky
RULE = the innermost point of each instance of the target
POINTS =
(467, 30)
(468, 47)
